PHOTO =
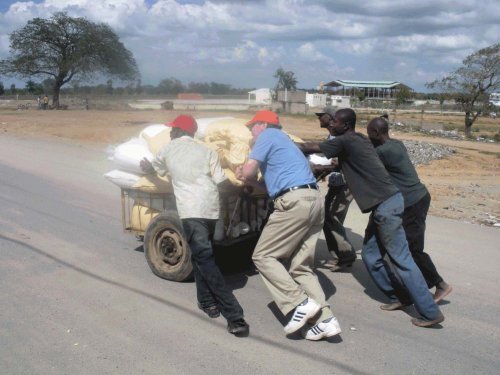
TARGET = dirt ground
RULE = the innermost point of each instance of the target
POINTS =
(464, 186)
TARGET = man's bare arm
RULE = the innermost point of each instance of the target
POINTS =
(309, 148)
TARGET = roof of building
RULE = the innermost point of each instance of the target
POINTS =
(365, 84)
(259, 90)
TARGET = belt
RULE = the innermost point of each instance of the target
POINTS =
(306, 186)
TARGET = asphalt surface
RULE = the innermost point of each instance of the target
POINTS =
(78, 297)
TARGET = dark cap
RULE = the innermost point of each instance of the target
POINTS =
(328, 110)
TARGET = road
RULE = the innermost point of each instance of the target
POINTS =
(78, 297)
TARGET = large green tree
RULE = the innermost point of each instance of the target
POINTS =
(64, 48)
(471, 83)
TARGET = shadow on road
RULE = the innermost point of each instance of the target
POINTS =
(193, 313)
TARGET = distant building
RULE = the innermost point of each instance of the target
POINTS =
(291, 102)
(316, 100)
(260, 96)
(189, 96)
(371, 89)
(322, 100)
(495, 99)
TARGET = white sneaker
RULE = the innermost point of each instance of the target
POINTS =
(326, 328)
(303, 312)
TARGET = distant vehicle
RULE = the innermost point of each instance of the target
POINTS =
(495, 99)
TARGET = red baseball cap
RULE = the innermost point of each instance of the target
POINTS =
(265, 116)
(185, 123)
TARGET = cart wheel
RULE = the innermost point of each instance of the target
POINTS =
(166, 250)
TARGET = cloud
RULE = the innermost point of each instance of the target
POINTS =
(243, 42)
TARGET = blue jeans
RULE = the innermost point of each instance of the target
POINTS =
(211, 287)
(385, 235)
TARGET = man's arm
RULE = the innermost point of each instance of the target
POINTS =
(248, 171)
(309, 148)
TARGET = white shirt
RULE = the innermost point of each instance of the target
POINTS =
(195, 171)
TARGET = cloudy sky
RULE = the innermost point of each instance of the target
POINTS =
(242, 43)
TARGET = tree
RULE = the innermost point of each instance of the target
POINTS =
(471, 83)
(34, 88)
(2, 89)
(13, 89)
(109, 87)
(402, 95)
(65, 48)
(361, 95)
(286, 80)
(170, 86)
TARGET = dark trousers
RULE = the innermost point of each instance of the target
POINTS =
(414, 226)
(337, 201)
(211, 288)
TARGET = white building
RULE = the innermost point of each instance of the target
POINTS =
(260, 96)
(339, 101)
(324, 100)
(316, 100)
(495, 99)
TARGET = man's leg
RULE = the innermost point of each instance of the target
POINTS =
(302, 261)
(338, 212)
(198, 233)
(380, 271)
(390, 233)
(414, 226)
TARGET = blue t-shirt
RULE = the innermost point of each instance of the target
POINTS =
(282, 164)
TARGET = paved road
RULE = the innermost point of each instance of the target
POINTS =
(78, 297)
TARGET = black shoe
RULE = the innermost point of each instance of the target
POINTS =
(212, 311)
(239, 328)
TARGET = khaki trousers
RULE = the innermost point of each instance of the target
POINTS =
(284, 254)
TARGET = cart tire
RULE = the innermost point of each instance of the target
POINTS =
(167, 252)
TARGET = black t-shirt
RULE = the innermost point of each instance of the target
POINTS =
(364, 173)
(395, 158)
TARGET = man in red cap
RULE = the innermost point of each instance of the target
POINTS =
(284, 254)
(196, 174)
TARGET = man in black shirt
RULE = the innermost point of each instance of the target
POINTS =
(374, 192)
(394, 156)
(337, 201)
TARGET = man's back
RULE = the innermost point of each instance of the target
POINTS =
(195, 172)
(364, 173)
(396, 160)
(281, 162)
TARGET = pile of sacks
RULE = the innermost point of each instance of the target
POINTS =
(229, 137)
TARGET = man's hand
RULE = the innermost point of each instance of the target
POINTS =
(146, 166)
(239, 173)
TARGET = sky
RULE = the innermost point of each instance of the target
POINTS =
(243, 43)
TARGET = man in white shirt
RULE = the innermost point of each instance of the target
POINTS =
(195, 172)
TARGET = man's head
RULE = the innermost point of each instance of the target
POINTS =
(343, 121)
(183, 125)
(261, 121)
(325, 117)
(378, 131)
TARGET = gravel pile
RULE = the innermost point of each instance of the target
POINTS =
(424, 153)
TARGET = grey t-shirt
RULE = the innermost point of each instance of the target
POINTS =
(363, 171)
(395, 158)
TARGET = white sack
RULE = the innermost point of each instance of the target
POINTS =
(203, 123)
(151, 131)
(319, 160)
(128, 155)
(122, 179)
